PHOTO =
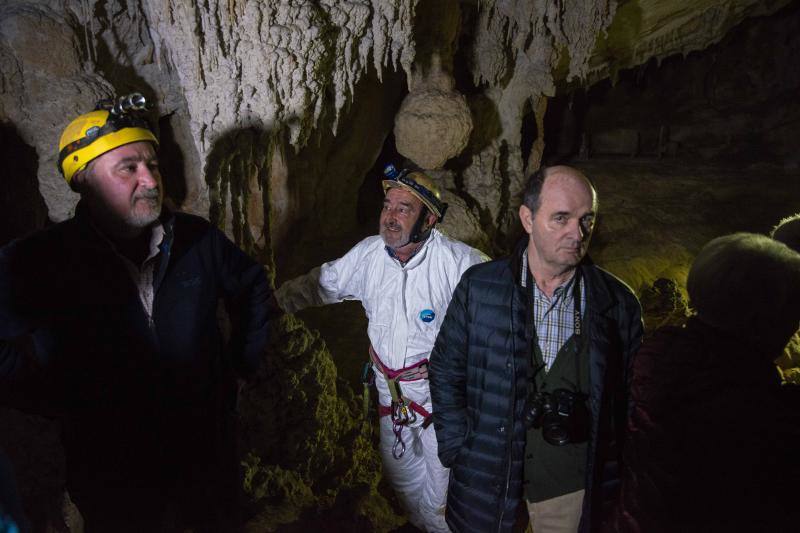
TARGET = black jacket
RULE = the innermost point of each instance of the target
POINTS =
(75, 341)
(478, 382)
(712, 440)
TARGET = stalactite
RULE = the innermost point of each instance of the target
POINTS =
(237, 170)
(516, 50)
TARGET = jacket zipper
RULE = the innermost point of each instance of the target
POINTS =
(505, 495)
(510, 432)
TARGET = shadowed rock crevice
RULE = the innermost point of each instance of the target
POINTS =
(21, 203)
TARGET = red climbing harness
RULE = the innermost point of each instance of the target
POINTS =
(402, 410)
(417, 371)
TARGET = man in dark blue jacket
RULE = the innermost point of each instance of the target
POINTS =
(529, 374)
(109, 321)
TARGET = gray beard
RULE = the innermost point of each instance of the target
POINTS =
(144, 219)
(401, 240)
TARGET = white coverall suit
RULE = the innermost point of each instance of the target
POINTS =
(396, 299)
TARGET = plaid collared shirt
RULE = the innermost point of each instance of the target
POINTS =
(554, 317)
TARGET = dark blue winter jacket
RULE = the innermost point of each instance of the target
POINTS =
(478, 376)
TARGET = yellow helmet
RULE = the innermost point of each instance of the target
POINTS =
(417, 184)
(97, 132)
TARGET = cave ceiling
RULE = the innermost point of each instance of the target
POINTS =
(647, 29)
(257, 102)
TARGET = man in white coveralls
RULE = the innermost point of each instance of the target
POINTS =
(404, 278)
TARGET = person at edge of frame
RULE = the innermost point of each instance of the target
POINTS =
(713, 435)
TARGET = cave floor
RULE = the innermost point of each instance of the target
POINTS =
(655, 215)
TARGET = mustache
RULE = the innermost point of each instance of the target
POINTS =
(148, 194)
(393, 227)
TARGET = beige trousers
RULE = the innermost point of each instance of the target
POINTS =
(561, 514)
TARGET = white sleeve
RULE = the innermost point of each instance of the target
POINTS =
(333, 282)
(476, 256)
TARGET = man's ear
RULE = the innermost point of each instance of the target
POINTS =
(78, 181)
(526, 217)
(430, 220)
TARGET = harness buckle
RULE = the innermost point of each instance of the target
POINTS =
(402, 414)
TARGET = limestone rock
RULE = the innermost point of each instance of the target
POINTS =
(663, 304)
(432, 126)
(516, 47)
(727, 104)
(789, 361)
(45, 84)
(656, 29)
(483, 180)
(302, 432)
(306, 50)
(460, 223)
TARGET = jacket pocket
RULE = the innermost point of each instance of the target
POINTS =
(466, 445)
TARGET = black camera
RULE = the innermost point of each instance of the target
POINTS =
(562, 415)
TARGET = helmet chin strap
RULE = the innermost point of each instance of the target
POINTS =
(417, 235)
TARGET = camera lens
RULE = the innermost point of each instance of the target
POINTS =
(536, 406)
(554, 429)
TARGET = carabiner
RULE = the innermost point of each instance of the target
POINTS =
(397, 429)
(401, 414)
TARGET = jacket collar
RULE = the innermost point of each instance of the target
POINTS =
(599, 295)
(83, 216)
(93, 237)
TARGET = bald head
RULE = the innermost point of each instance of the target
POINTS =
(788, 232)
(564, 175)
(558, 215)
(748, 283)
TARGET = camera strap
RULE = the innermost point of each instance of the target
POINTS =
(530, 330)
(579, 340)
(576, 300)
(530, 326)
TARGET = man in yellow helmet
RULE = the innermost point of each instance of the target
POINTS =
(109, 321)
(404, 278)
(109, 157)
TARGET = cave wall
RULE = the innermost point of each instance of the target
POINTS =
(258, 103)
(21, 203)
(233, 82)
(656, 29)
(734, 103)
